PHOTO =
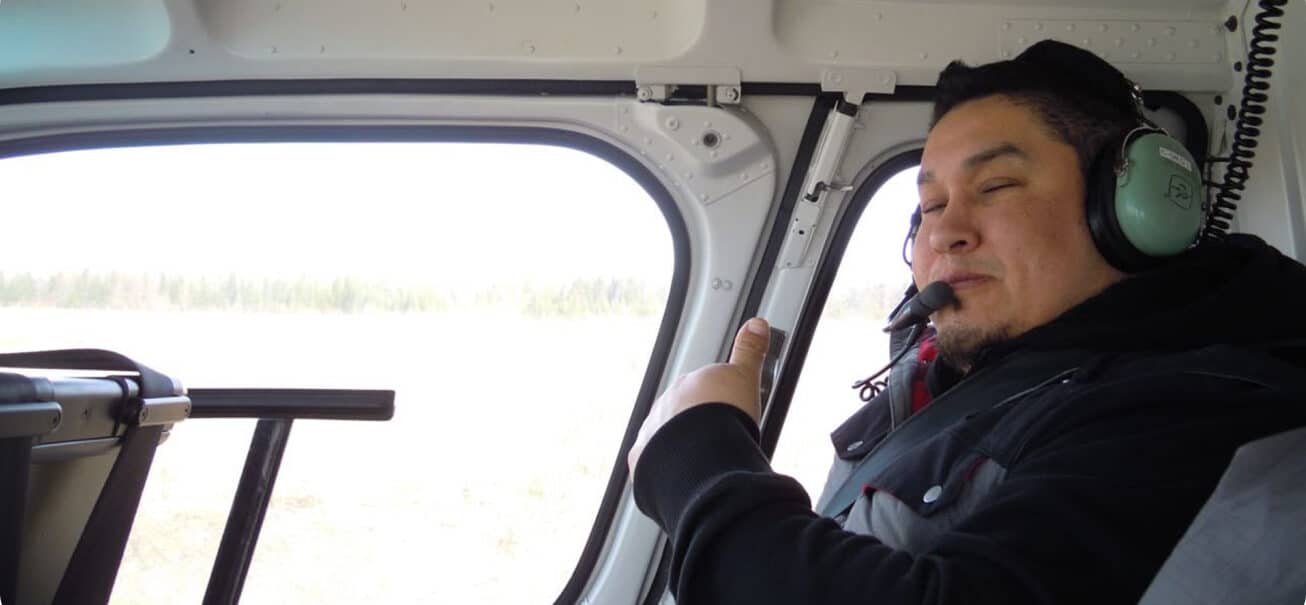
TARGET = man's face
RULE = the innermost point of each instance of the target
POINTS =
(1002, 203)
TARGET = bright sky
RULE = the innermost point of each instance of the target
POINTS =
(445, 214)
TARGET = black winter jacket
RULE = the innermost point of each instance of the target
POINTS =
(1108, 429)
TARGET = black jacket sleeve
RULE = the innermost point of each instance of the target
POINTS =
(1088, 516)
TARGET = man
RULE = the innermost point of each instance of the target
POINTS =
(1112, 400)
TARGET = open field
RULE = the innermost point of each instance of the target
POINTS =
(483, 487)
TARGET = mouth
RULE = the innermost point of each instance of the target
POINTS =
(964, 281)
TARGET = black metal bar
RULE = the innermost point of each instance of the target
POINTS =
(328, 404)
(248, 508)
(15, 460)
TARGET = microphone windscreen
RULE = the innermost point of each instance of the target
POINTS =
(937, 295)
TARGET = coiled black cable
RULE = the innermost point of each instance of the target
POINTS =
(1251, 111)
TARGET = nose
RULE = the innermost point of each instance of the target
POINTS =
(954, 230)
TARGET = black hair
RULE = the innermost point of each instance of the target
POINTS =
(1082, 99)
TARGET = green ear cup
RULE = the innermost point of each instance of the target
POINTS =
(1158, 196)
(1143, 200)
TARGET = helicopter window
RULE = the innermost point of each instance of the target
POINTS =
(511, 294)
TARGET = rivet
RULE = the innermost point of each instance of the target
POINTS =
(713, 154)
(1151, 41)
(836, 77)
(1006, 26)
(702, 196)
(716, 283)
(1038, 26)
(653, 15)
(670, 158)
(1006, 54)
(1021, 40)
(1070, 27)
(491, 7)
(1135, 27)
(1169, 56)
(834, 54)
(618, 50)
(1135, 55)
(743, 177)
(1193, 44)
(530, 49)
(689, 176)
(925, 55)
(673, 123)
(1169, 31)
(707, 124)
(932, 494)
(578, 7)
(648, 141)
(1104, 27)
(879, 16)
(1120, 42)
(1087, 42)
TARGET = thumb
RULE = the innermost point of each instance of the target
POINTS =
(751, 343)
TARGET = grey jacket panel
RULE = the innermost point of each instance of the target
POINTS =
(885, 517)
(1248, 543)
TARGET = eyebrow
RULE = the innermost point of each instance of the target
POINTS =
(988, 155)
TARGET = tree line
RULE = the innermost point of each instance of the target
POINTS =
(162, 292)
(139, 291)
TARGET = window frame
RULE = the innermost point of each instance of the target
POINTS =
(810, 316)
(523, 135)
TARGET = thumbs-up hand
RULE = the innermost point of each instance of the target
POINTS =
(737, 382)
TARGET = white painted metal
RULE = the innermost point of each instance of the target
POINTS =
(85, 41)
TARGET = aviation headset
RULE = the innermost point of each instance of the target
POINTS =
(1143, 197)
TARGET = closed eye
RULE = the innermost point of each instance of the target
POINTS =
(997, 187)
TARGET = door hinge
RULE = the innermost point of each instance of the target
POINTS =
(710, 85)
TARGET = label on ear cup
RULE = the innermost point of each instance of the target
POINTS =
(1176, 158)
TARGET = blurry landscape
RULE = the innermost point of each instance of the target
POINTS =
(515, 323)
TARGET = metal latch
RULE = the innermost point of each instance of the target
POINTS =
(807, 213)
(158, 410)
(659, 84)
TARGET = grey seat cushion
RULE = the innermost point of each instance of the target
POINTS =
(1248, 543)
